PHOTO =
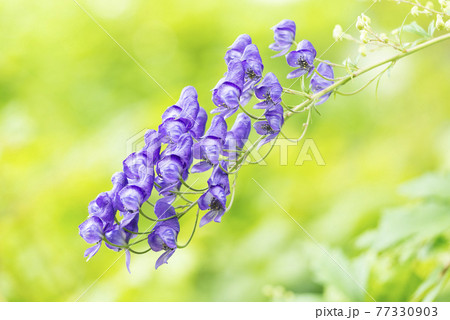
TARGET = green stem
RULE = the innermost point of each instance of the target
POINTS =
(367, 69)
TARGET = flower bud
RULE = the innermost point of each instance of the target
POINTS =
(338, 32)
(429, 5)
(366, 19)
(447, 25)
(384, 38)
(364, 36)
(415, 11)
(444, 4)
(439, 22)
(362, 50)
(360, 23)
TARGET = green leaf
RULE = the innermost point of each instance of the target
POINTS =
(417, 223)
(431, 29)
(430, 185)
(414, 28)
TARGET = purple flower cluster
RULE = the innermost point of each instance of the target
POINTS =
(182, 146)
(302, 58)
(244, 71)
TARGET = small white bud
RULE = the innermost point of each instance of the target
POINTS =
(360, 23)
(366, 19)
(439, 22)
(384, 38)
(362, 51)
(415, 11)
(444, 4)
(364, 36)
(447, 25)
(429, 5)
(338, 32)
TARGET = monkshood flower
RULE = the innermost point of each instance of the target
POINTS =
(152, 144)
(210, 146)
(117, 238)
(164, 234)
(228, 91)
(174, 163)
(318, 83)
(284, 36)
(237, 48)
(269, 90)
(198, 130)
(271, 126)
(215, 198)
(102, 207)
(92, 231)
(138, 169)
(253, 68)
(179, 118)
(302, 58)
(237, 136)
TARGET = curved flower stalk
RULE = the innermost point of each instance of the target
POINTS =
(182, 147)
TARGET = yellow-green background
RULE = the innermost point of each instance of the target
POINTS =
(70, 99)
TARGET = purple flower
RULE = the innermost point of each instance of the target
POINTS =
(92, 231)
(164, 234)
(131, 198)
(215, 201)
(302, 58)
(228, 91)
(318, 83)
(180, 118)
(269, 90)
(209, 148)
(138, 168)
(253, 68)
(271, 126)
(152, 145)
(119, 238)
(237, 48)
(219, 178)
(174, 163)
(189, 106)
(284, 36)
(102, 207)
(238, 135)
(198, 130)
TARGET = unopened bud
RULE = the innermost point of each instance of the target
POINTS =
(364, 36)
(362, 50)
(384, 38)
(447, 25)
(337, 32)
(444, 4)
(360, 23)
(439, 22)
(415, 11)
(366, 19)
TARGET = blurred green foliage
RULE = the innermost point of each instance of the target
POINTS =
(70, 99)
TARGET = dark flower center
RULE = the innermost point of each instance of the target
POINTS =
(303, 63)
(215, 204)
(266, 127)
(250, 74)
(267, 96)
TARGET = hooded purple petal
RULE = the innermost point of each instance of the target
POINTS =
(284, 36)
(237, 48)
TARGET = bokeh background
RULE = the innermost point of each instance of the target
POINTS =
(70, 99)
